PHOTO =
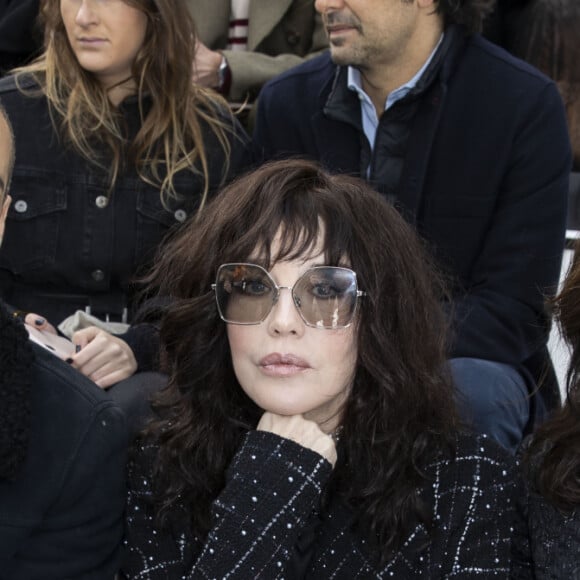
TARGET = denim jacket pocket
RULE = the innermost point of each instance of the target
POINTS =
(155, 220)
(39, 199)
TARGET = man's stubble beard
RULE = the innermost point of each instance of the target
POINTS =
(348, 57)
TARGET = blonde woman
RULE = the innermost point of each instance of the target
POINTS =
(115, 147)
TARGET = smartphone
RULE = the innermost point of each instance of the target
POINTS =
(58, 345)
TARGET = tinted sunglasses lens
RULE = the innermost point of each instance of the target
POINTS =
(244, 293)
(326, 297)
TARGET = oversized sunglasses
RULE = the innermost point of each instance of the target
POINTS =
(325, 296)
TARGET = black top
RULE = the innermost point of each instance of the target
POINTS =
(271, 503)
(69, 243)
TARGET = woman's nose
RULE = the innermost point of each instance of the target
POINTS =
(284, 317)
(86, 14)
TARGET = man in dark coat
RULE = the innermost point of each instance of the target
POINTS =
(63, 446)
(471, 145)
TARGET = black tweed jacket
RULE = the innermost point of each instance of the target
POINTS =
(271, 499)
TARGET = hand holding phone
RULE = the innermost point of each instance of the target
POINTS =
(60, 346)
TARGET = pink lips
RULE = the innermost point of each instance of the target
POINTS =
(91, 41)
(282, 365)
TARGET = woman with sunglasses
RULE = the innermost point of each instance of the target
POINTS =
(308, 429)
(115, 147)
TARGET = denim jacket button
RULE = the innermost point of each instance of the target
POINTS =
(180, 215)
(20, 206)
(98, 275)
(102, 202)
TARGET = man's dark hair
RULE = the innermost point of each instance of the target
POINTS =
(468, 13)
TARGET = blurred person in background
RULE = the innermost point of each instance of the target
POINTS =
(244, 43)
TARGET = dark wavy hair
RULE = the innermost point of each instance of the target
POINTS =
(555, 449)
(468, 13)
(400, 412)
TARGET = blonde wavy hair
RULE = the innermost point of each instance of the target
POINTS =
(6, 128)
(171, 137)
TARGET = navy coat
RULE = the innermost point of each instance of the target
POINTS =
(485, 181)
(61, 513)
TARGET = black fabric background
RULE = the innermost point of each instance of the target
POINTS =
(19, 37)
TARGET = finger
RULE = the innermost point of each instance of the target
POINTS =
(113, 378)
(123, 364)
(92, 364)
(108, 368)
(302, 431)
(90, 353)
(85, 336)
(39, 322)
(86, 350)
(113, 357)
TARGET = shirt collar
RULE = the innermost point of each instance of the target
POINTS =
(354, 81)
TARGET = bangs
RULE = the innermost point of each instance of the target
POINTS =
(293, 230)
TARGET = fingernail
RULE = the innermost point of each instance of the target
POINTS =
(77, 348)
(69, 361)
(39, 321)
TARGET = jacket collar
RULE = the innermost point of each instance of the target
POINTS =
(343, 105)
(341, 100)
(264, 15)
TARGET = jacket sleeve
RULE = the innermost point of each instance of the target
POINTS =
(476, 498)
(92, 498)
(500, 315)
(251, 70)
(73, 526)
(143, 339)
(273, 485)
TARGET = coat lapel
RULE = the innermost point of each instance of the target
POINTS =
(421, 139)
(425, 124)
(339, 137)
(264, 15)
(338, 145)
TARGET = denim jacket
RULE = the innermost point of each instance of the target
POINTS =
(70, 243)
